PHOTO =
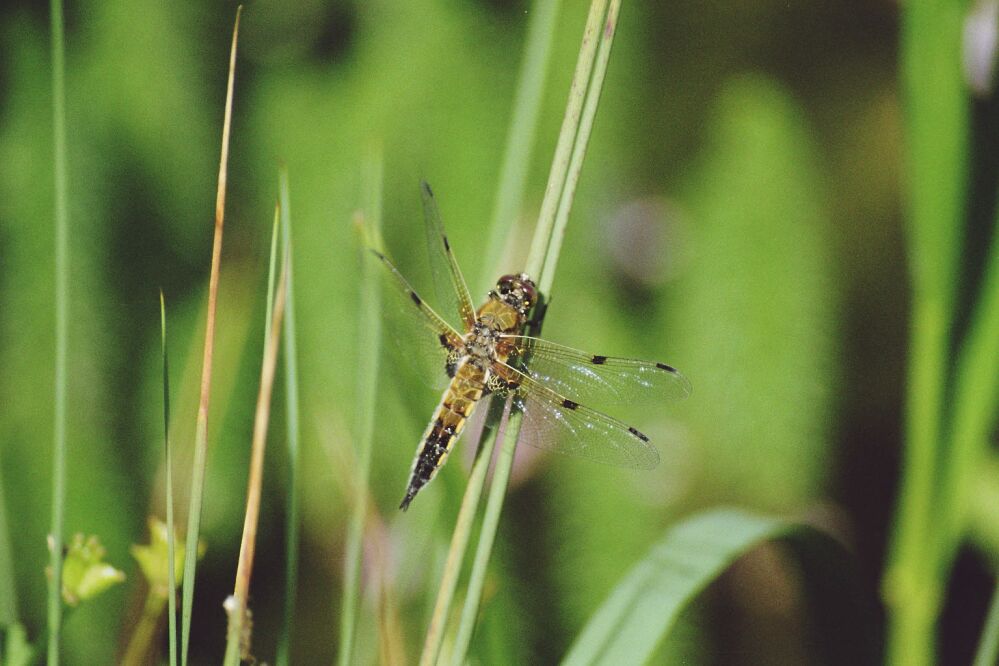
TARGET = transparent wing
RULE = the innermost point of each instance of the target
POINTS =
(594, 378)
(416, 334)
(555, 423)
(449, 283)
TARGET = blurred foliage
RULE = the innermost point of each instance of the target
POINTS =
(736, 217)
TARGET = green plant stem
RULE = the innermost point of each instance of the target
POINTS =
(976, 398)
(61, 328)
(584, 94)
(201, 428)
(936, 133)
(543, 232)
(461, 536)
(367, 384)
(589, 111)
(171, 540)
(510, 431)
(292, 413)
(521, 133)
(988, 646)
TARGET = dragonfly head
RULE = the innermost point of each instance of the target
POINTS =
(517, 291)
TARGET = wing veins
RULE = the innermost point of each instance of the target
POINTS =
(439, 247)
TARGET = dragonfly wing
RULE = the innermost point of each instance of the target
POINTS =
(553, 422)
(448, 280)
(589, 377)
(416, 334)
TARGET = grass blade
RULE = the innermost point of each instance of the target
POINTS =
(61, 328)
(644, 606)
(8, 588)
(367, 383)
(291, 409)
(988, 646)
(584, 94)
(171, 555)
(520, 135)
(513, 175)
(237, 643)
(543, 233)
(462, 533)
(936, 135)
(201, 432)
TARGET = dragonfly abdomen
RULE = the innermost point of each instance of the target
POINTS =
(449, 418)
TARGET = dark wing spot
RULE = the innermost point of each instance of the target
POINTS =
(638, 434)
(426, 186)
(598, 360)
(377, 253)
(667, 368)
(569, 404)
(447, 246)
(444, 342)
(416, 299)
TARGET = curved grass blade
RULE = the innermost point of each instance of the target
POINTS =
(201, 432)
(645, 605)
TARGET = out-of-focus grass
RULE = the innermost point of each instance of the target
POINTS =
(435, 81)
(62, 269)
(641, 611)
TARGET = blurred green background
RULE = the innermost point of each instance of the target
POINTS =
(738, 216)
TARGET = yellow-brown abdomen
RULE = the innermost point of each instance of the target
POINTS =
(449, 418)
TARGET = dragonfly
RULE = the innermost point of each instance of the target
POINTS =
(491, 355)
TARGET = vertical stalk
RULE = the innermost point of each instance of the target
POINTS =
(291, 409)
(61, 329)
(367, 383)
(201, 428)
(936, 133)
(598, 37)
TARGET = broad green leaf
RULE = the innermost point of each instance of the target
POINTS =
(644, 607)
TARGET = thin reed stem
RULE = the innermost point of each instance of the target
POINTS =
(201, 429)
(461, 536)
(238, 608)
(291, 421)
(61, 329)
(584, 95)
(171, 539)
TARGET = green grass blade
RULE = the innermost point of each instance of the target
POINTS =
(369, 340)
(271, 270)
(547, 243)
(201, 430)
(490, 524)
(291, 419)
(976, 399)
(642, 609)
(462, 534)
(61, 328)
(8, 588)
(566, 139)
(541, 29)
(988, 646)
(936, 134)
(171, 555)
(588, 113)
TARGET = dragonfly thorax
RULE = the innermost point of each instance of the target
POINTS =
(480, 342)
